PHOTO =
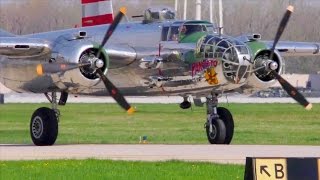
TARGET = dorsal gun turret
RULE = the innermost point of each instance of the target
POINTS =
(158, 14)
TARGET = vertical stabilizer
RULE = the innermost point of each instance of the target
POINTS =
(96, 12)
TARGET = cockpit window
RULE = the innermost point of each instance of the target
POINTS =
(174, 33)
(211, 29)
(189, 29)
(179, 30)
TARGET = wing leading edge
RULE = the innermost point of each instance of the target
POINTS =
(18, 47)
(290, 48)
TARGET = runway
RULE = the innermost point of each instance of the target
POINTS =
(234, 154)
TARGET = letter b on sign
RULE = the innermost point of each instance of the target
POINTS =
(278, 169)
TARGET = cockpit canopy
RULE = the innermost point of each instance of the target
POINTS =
(157, 14)
(178, 30)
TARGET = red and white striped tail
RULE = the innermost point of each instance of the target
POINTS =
(96, 12)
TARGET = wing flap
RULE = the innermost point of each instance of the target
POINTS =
(18, 47)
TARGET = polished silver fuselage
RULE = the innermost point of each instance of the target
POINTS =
(131, 47)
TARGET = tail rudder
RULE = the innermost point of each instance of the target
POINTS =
(96, 12)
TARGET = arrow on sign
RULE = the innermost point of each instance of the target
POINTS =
(263, 169)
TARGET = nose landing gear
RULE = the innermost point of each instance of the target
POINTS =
(219, 125)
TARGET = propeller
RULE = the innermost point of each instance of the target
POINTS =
(292, 91)
(281, 28)
(112, 89)
(115, 93)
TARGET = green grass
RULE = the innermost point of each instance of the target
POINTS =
(105, 169)
(166, 124)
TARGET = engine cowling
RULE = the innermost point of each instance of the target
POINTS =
(79, 51)
(261, 78)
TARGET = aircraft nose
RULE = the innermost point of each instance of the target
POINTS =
(233, 55)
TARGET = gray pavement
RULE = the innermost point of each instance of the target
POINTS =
(235, 154)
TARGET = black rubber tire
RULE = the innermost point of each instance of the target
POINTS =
(220, 134)
(226, 117)
(44, 127)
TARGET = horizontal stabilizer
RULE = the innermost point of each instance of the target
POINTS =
(4, 33)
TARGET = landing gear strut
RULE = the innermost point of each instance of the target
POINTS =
(44, 122)
(219, 125)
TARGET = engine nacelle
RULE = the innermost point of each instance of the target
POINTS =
(262, 79)
(78, 51)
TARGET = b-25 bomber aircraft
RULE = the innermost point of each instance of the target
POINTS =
(158, 56)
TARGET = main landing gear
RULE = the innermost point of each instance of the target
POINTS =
(44, 121)
(219, 126)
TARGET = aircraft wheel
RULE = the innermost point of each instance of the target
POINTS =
(44, 127)
(218, 134)
(227, 118)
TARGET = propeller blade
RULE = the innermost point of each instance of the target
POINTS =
(111, 29)
(281, 28)
(57, 67)
(115, 93)
(112, 89)
(292, 91)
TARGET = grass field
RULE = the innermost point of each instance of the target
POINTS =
(167, 124)
(105, 169)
